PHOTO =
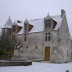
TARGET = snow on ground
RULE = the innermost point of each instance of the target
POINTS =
(39, 67)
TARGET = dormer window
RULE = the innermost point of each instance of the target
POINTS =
(14, 28)
(25, 26)
(48, 23)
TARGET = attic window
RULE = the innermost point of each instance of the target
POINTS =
(25, 26)
(13, 28)
(48, 23)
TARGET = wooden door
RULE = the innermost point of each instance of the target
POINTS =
(47, 53)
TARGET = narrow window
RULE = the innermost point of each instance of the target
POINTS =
(35, 47)
(67, 53)
(47, 37)
(25, 26)
(26, 47)
(67, 40)
(25, 37)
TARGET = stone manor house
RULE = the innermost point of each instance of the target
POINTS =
(46, 38)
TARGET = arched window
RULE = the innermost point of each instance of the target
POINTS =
(47, 37)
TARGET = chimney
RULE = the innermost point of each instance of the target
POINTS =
(62, 13)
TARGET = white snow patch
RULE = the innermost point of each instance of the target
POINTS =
(39, 67)
(38, 25)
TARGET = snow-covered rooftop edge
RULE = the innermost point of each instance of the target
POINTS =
(38, 24)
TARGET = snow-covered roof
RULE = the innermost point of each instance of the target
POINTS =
(8, 23)
(20, 24)
(58, 19)
(38, 24)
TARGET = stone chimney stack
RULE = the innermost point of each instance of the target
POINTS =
(62, 13)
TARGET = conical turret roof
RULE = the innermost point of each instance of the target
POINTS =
(8, 23)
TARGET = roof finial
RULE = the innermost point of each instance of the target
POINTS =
(26, 21)
(48, 16)
(48, 13)
(14, 22)
(9, 17)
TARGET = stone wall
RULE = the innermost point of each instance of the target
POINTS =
(34, 47)
(60, 44)
(15, 63)
(64, 36)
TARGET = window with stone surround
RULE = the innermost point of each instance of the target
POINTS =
(48, 23)
(47, 37)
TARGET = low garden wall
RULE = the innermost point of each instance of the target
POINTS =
(15, 63)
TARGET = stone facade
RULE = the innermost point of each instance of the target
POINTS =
(52, 43)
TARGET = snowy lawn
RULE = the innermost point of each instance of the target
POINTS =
(39, 67)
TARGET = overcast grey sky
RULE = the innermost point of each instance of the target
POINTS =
(33, 9)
